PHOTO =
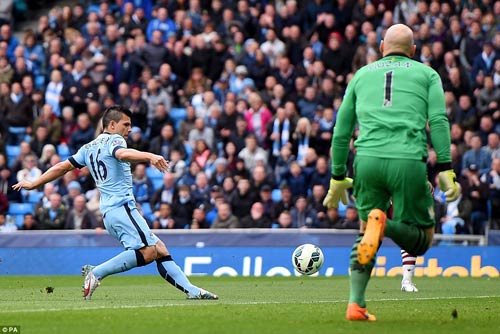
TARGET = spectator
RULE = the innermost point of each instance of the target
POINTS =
(477, 156)
(273, 47)
(136, 140)
(201, 153)
(280, 130)
(162, 23)
(189, 177)
(257, 117)
(201, 131)
(82, 135)
(302, 139)
(302, 215)
(183, 207)
(167, 192)
(199, 219)
(17, 113)
(139, 109)
(53, 93)
(164, 219)
(225, 218)
(142, 186)
(296, 179)
(51, 122)
(154, 53)
(30, 170)
(79, 217)
(7, 223)
(220, 173)
(29, 223)
(256, 218)
(7, 180)
(243, 198)
(166, 142)
(155, 95)
(68, 124)
(260, 178)
(240, 81)
(7, 36)
(484, 61)
(269, 205)
(201, 189)
(476, 192)
(351, 220)
(74, 189)
(252, 152)
(41, 138)
(52, 218)
(487, 98)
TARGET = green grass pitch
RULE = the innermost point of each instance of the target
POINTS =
(147, 304)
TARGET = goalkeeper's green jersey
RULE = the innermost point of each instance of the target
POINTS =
(392, 100)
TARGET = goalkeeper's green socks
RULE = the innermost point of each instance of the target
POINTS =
(411, 238)
(360, 275)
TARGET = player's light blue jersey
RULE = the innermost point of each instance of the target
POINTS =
(113, 177)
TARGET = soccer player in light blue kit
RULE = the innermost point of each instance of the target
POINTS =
(108, 160)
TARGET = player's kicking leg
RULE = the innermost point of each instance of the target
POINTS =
(408, 264)
(142, 247)
(173, 274)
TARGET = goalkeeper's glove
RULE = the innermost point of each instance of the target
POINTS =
(337, 191)
(448, 184)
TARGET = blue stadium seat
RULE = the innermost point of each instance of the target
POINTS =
(155, 176)
(152, 172)
(189, 153)
(17, 134)
(276, 195)
(177, 115)
(20, 208)
(34, 197)
(146, 209)
(13, 152)
(63, 151)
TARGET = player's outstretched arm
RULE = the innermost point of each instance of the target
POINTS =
(51, 174)
(132, 155)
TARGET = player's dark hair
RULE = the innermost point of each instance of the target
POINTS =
(114, 113)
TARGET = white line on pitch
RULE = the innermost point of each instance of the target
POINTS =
(209, 303)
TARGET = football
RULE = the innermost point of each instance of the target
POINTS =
(307, 259)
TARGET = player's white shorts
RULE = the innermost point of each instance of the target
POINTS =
(127, 225)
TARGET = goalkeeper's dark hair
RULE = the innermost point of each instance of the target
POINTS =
(114, 113)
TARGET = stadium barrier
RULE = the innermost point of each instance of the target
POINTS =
(249, 252)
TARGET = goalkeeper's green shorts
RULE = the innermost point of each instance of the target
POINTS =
(378, 181)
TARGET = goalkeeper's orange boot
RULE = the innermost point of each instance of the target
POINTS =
(374, 234)
(358, 313)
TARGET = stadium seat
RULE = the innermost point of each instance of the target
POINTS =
(20, 208)
(16, 134)
(63, 151)
(146, 209)
(177, 115)
(34, 197)
(189, 153)
(276, 195)
(155, 176)
(13, 152)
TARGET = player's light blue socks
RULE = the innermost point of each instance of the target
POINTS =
(173, 274)
(124, 261)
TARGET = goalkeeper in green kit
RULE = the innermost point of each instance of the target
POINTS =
(392, 100)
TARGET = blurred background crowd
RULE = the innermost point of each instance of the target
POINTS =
(241, 97)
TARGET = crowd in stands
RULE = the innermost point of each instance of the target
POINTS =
(241, 97)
